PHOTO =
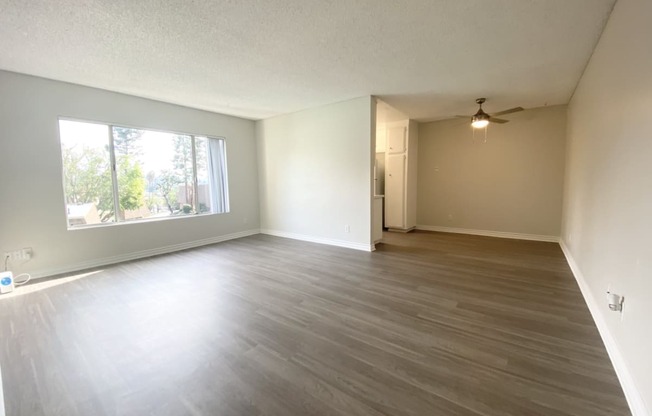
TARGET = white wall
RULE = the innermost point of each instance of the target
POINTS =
(32, 212)
(316, 173)
(512, 183)
(607, 227)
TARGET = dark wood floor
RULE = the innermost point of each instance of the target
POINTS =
(429, 324)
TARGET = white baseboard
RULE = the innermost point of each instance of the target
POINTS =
(632, 394)
(320, 240)
(139, 254)
(487, 233)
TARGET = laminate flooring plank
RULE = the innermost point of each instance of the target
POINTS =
(428, 324)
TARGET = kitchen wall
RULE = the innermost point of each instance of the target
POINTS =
(316, 173)
(511, 184)
(607, 219)
(32, 210)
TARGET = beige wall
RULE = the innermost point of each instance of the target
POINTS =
(512, 183)
(316, 173)
(32, 209)
(608, 197)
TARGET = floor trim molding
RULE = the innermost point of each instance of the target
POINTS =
(139, 254)
(487, 233)
(632, 394)
(319, 240)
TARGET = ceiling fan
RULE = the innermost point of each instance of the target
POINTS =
(482, 119)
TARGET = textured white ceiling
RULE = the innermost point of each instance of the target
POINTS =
(428, 58)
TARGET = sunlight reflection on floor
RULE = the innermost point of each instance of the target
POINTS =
(36, 286)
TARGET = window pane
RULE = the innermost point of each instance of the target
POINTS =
(155, 174)
(183, 168)
(203, 183)
(86, 172)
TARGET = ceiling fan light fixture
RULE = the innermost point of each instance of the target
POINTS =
(480, 119)
(479, 122)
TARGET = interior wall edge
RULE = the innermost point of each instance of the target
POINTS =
(75, 267)
(489, 233)
(320, 240)
(632, 393)
(2, 399)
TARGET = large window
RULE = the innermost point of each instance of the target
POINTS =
(117, 174)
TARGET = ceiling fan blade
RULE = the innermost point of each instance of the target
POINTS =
(458, 116)
(511, 110)
(498, 120)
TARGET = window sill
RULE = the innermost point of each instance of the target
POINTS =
(143, 221)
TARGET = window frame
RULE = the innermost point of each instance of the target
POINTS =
(114, 174)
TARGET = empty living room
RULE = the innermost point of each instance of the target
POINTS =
(343, 208)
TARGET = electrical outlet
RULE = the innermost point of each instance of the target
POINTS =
(19, 255)
(347, 228)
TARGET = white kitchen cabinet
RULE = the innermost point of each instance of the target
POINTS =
(401, 176)
(396, 137)
(394, 189)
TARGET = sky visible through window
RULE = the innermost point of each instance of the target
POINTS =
(156, 145)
